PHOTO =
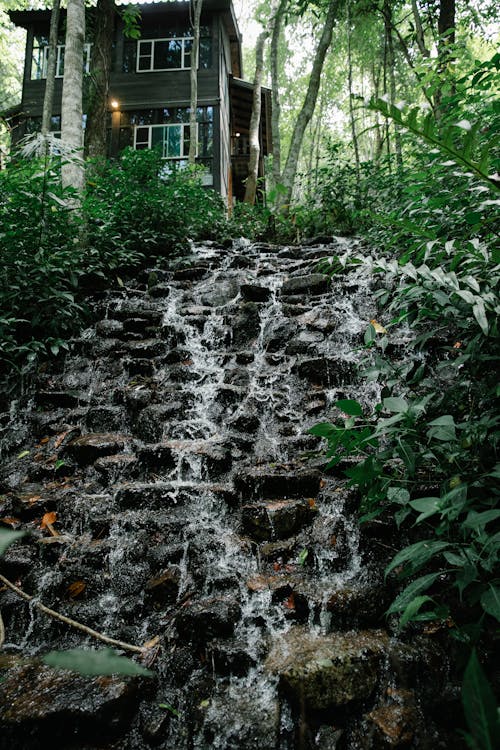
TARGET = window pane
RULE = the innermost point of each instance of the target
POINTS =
(173, 141)
(129, 57)
(142, 138)
(173, 54)
(60, 62)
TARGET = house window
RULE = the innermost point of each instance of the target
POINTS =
(173, 140)
(164, 54)
(41, 56)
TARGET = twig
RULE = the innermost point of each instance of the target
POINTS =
(69, 621)
(2, 631)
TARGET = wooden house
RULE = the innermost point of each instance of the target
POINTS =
(150, 88)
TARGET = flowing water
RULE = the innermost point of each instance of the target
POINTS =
(192, 510)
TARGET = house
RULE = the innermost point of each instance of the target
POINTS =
(150, 88)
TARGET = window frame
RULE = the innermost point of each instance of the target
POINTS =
(184, 126)
(44, 52)
(151, 55)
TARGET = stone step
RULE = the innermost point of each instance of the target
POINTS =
(326, 371)
(277, 519)
(314, 283)
(88, 448)
(268, 483)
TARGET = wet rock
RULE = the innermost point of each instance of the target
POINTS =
(314, 283)
(238, 376)
(137, 397)
(159, 291)
(164, 587)
(139, 367)
(277, 334)
(109, 328)
(105, 418)
(327, 671)
(191, 274)
(363, 605)
(395, 723)
(45, 705)
(121, 466)
(263, 482)
(60, 399)
(136, 315)
(147, 495)
(147, 349)
(220, 292)
(87, 448)
(153, 421)
(255, 293)
(244, 358)
(230, 658)
(326, 371)
(208, 618)
(245, 324)
(215, 458)
(328, 738)
(278, 519)
(246, 423)
(158, 457)
(318, 320)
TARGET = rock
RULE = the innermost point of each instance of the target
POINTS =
(109, 328)
(277, 334)
(329, 670)
(314, 283)
(245, 324)
(157, 457)
(88, 448)
(122, 466)
(148, 495)
(193, 273)
(60, 399)
(152, 421)
(208, 618)
(105, 418)
(395, 723)
(159, 291)
(255, 293)
(147, 348)
(220, 292)
(52, 707)
(277, 519)
(164, 587)
(139, 367)
(326, 371)
(263, 483)
(319, 320)
(230, 658)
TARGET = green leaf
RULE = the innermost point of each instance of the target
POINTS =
(23, 454)
(303, 556)
(87, 662)
(426, 506)
(412, 609)
(442, 428)
(8, 537)
(490, 601)
(415, 588)
(398, 495)
(479, 520)
(349, 406)
(370, 335)
(170, 708)
(395, 404)
(480, 706)
(323, 429)
(416, 555)
(479, 313)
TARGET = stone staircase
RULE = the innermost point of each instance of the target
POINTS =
(192, 513)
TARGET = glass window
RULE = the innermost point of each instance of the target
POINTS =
(164, 54)
(40, 59)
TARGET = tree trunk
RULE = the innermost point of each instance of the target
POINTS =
(100, 68)
(446, 23)
(419, 31)
(195, 56)
(48, 99)
(392, 78)
(307, 111)
(351, 94)
(73, 173)
(275, 97)
(253, 163)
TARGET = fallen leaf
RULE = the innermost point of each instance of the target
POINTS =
(333, 540)
(152, 643)
(378, 328)
(312, 502)
(33, 499)
(276, 566)
(322, 483)
(48, 518)
(187, 362)
(10, 521)
(76, 588)
(257, 583)
(59, 439)
(23, 454)
(457, 345)
(44, 440)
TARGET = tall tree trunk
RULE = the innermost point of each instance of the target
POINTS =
(48, 99)
(392, 77)
(307, 111)
(276, 22)
(73, 173)
(100, 69)
(419, 30)
(195, 56)
(351, 94)
(253, 163)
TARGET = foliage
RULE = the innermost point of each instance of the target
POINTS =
(480, 708)
(51, 254)
(102, 662)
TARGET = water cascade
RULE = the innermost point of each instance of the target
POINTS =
(193, 514)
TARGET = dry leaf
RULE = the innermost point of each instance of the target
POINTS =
(312, 502)
(457, 345)
(290, 602)
(276, 566)
(378, 327)
(48, 518)
(32, 499)
(76, 588)
(187, 362)
(44, 440)
(322, 483)
(258, 583)
(10, 521)
(152, 643)
(59, 439)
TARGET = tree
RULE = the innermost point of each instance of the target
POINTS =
(196, 8)
(73, 172)
(48, 99)
(253, 164)
(276, 22)
(100, 68)
(307, 110)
